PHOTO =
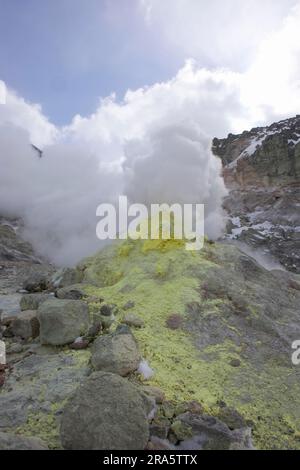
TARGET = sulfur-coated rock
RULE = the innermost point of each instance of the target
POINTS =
(14, 442)
(106, 412)
(116, 353)
(62, 321)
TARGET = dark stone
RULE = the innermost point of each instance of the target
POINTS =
(174, 321)
(106, 310)
(235, 363)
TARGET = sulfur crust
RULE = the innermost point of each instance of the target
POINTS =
(159, 277)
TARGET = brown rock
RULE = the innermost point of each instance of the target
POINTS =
(174, 321)
(78, 345)
(6, 321)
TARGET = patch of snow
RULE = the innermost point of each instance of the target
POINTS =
(78, 340)
(152, 413)
(264, 228)
(255, 143)
(11, 224)
(236, 221)
(253, 146)
(253, 215)
(258, 140)
(56, 280)
(293, 141)
(145, 370)
(236, 232)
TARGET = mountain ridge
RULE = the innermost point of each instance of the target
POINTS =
(261, 169)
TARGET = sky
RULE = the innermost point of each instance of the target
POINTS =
(124, 98)
(67, 54)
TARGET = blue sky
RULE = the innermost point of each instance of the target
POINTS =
(65, 54)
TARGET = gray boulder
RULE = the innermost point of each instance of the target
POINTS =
(70, 292)
(67, 277)
(209, 433)
(26, 325)
(107, 310)
(116, 353)
(62, 321)
(32, 301)
(14, 442)
(131, 319)
(36, 282)
(130, 304)
(106, 413)
(9, 305)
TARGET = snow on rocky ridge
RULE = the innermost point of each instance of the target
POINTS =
(261, 170)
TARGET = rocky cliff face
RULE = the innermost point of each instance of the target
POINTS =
(262, 172)
(18, 263)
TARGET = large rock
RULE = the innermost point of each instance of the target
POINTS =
(67, 277)
(26, 325)
(36, 281)
(62, 321)
(133, 320)
(209, 433)
(106, 413)
(117, 353)
(14, 442)
(9, 305)
(33, 301)
(70, 292)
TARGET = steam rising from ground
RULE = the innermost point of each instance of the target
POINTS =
(153, 147)
(175, 163)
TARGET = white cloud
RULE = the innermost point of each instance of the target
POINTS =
(211, 98)
(93, 160)
(56, 195)
(2, 92)
(19, 113)
(259, 41)
(272, 82)
(216, 33)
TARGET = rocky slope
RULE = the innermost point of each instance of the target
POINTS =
(75, 377)
(262, 172)
(146, 345)
(18, 263)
